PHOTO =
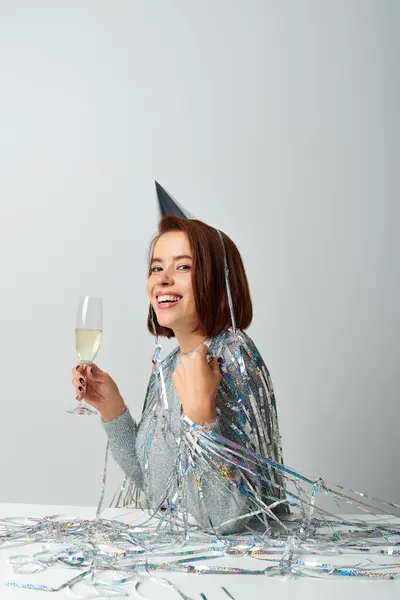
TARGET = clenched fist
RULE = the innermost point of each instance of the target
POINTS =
(196, 382)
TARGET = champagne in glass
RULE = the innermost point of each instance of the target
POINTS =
(87, 344)
(88, 333)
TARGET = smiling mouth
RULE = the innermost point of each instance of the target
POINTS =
(168, 301)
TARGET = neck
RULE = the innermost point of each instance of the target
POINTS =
(188, 340)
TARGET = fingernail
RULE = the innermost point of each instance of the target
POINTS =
(220, 359)
(81, 380)
(78, 366)
(80, 388)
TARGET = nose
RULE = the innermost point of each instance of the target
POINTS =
(164, 278)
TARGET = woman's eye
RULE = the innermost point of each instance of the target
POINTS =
(158, 269)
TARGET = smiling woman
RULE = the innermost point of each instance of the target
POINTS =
(170, 288)
(189, 252)
(215, 381)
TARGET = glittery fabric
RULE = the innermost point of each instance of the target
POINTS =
(219, 476)
(164, 456)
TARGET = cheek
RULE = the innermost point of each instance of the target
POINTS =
(189, 289)
(189, 297)
(149, 287)
(190, 300)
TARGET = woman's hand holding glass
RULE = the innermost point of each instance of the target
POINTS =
(99, 390)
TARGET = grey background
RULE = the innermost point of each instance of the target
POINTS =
(277, 122)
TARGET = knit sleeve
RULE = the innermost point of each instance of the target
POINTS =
(121, 433)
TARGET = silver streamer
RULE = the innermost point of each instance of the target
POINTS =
(290, 526)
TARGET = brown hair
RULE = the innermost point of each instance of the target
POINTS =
(209, 278)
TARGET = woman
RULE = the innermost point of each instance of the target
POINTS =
(212, 389)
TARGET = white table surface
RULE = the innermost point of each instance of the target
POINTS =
(242, 587)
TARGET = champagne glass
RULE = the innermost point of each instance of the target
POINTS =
(88, 333)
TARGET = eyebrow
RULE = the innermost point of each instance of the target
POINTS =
(179, 257)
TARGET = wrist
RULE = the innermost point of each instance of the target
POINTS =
(108, 414)
(208, 426)
(201, 417)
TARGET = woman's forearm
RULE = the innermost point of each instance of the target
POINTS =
(121, 433)
(212, 499)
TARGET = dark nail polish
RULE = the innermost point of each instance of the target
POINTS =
(81, 380)
(220, 359)
(80, 388)
(78, 366)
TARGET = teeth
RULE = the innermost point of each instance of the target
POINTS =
(168, 298)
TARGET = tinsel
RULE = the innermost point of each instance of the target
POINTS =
(285, 532)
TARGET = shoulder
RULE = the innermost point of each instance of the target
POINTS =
(225, 346)
(225, 342)
(170, 358)
(166, 362)
(167, 365)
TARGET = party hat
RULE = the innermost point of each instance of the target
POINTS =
(169, 206)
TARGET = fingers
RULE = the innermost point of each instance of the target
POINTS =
(95, 373)
(78, 371)
(177, 374)
(214, 365)
(79, 381)
(81, 394)
(84, 372)
(200, 353)
(79, 374)
(79, 389)
(81, 368)
(201, 349)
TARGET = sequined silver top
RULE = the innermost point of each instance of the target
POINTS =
(148, 451)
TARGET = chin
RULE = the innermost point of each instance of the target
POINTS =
(165, 322)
